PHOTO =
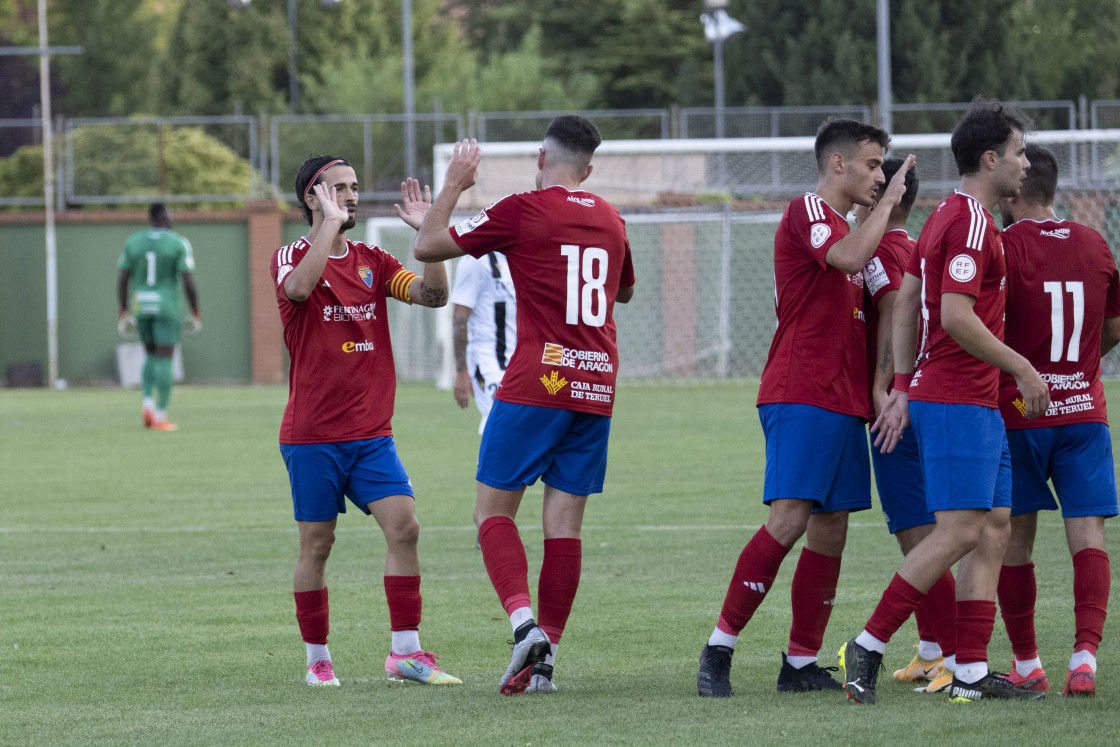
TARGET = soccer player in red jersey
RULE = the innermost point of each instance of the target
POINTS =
(898, 475)
(336, 436)
(812, 403)
(570, 262)
(1063, 314)
(957, 281)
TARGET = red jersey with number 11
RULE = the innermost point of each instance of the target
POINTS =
(568, 255)
(1061, 285)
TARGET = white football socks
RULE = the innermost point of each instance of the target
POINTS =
(316, 652)
(406, 642)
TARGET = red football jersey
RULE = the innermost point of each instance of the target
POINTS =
(881, 275)
(568, 255)
(342, 381)
(959, 251)
(818, 354)
(1061, 284)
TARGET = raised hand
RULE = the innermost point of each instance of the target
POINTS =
(415, 204)
(328, 203)
(462, 169)
(897, 187)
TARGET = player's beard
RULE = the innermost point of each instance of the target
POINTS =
(350, 223)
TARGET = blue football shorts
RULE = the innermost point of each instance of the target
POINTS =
(965, 459)
(815, 454)
(1076, 458)
(321, 475)
(901, 485)
(566, 449)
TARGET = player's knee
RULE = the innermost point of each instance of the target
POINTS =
(404, 532)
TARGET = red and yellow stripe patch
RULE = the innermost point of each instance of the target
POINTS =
(398, 285)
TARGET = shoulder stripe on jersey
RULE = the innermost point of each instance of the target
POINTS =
(977, 226)
(813, 207)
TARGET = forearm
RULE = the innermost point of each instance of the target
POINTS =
(191, 289)
(853, 251)
(302, 280)
(433, 242)
(459, 338)
(978, 341)
(884, 357)
(122, 292)
(904, 324)
(431, 288)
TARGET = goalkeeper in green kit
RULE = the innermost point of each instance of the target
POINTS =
(152, 262)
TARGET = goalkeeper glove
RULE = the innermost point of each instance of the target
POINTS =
(126, 327)
(192, 326)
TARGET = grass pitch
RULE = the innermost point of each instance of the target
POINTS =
(147, 591)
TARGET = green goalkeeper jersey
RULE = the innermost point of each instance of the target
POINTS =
(155, 260)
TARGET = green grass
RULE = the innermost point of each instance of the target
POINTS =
(146, 592)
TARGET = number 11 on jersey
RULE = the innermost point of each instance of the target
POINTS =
(589, 304)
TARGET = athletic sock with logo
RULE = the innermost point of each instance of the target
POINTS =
(754, 574)
(813, 594)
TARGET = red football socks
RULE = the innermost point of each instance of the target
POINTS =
(1017, 593)
(504, 557)
(558, 583)
(975, 620)
(753, 576)
(403, 595)
(313, 615)
(895, 606)
(813, 594)
(936, 615)
(1090, 597)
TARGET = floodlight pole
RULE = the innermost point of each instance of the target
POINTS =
(48, 199)
(409, 90)
(293, 57)
(883, 44)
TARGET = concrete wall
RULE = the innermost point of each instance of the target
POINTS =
(241, 339)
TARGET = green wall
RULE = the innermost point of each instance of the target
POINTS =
(87, 306)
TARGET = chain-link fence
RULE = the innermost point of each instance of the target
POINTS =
(233, 159)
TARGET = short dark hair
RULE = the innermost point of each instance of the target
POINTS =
(1041, 180)
(158, 214)
(309, 174)
(987, 125)
(577, 137)
(846, 135)
(890, 168)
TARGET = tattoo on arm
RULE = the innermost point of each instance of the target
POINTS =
(886, 358)
(459, 338)
(433, 297)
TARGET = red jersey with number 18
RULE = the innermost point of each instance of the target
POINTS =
(818, 355)
(959, 251)
(342, 381)
(568, 255)
(1061, 285)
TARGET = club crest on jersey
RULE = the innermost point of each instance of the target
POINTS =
(366, 275)
(963, 268)
(819, 234)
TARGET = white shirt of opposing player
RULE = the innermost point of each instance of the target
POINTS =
(485, 287)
